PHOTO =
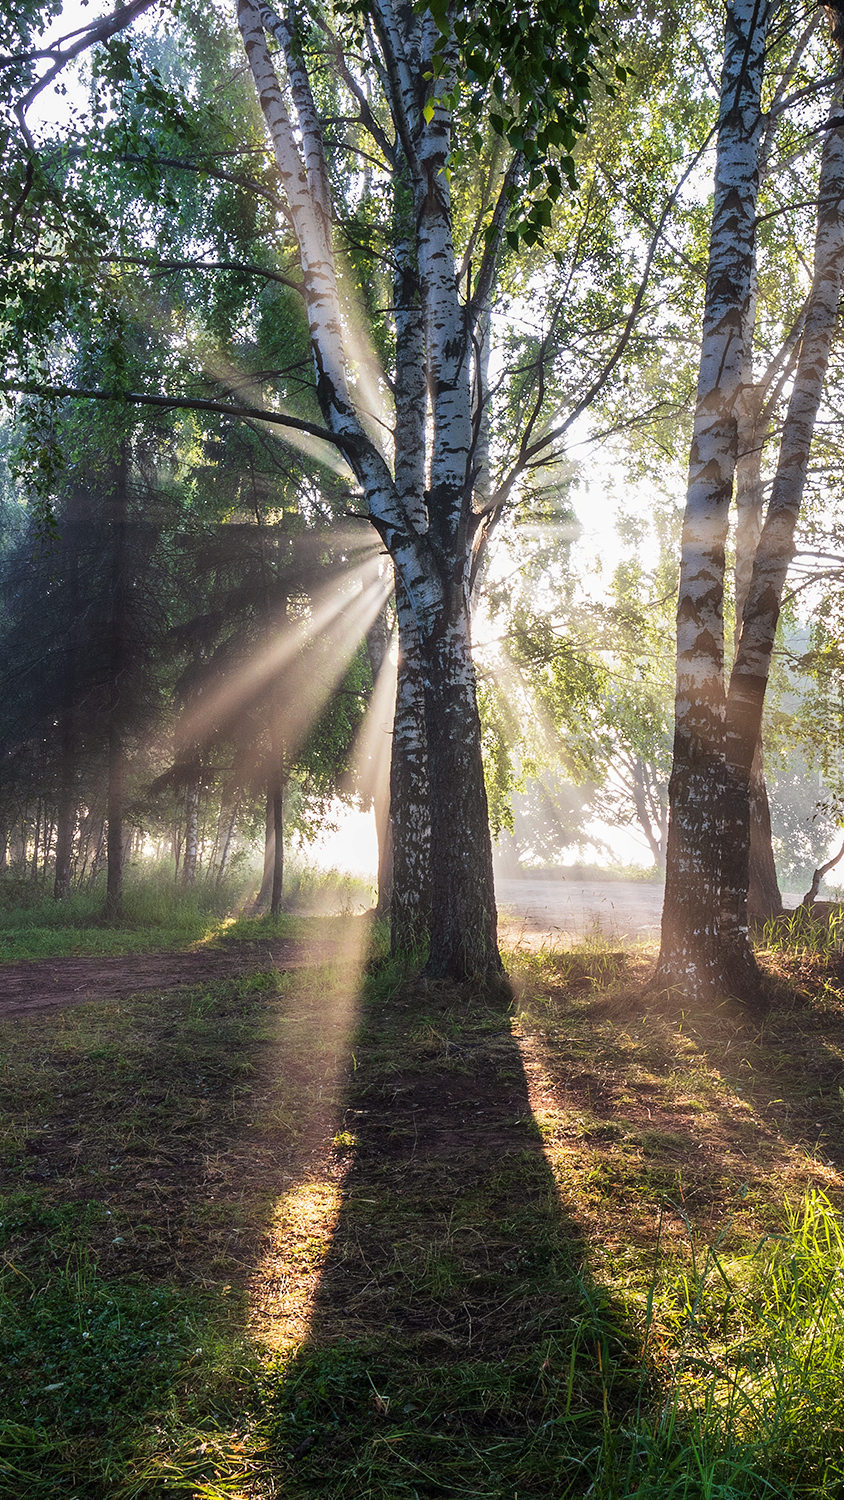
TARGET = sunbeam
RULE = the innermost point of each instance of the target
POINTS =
(276, 654)
(365, 371)
(321, 452)
(373, 746)
(313, 1047)
(306, 686)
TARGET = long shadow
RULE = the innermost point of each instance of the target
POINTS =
(146, 1146)
(457, 1342)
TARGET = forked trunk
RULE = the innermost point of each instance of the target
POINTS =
(430, 544)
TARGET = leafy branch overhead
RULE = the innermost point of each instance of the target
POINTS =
(530, 69)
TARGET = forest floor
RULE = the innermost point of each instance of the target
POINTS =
(308, 1226)
(45, 982)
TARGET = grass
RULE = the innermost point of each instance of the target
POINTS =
(158, 913)
(806, 931)
(306, 1235)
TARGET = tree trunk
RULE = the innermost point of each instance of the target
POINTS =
(691, 952)
(410, 812)
(117, 687)
(749, 678)
(191, 828)
(377, 648)
(67, 799)
(265, 890)
(230, 827)
(764, 899)
(276, 796)
(114, 816)
(464, 939)
(67, 809)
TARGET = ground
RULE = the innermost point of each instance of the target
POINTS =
(44, 983)
(370, 1236)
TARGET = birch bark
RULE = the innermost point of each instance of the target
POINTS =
(763, 896)
(410, 815)
(690, 949)
(708, 951)
(749, 677)
(432, 560)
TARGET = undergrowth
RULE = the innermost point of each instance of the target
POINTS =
(157, 913)
(805, 931)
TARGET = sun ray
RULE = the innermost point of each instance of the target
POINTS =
(313, 1042)
(305, 690)
(373, 746)
(285, 645)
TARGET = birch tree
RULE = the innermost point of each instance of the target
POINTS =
(705, 941)
(390, 77)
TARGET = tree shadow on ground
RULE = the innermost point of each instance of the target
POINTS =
(458, 1343)
(145, 1147)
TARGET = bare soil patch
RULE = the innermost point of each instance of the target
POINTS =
(45, 982)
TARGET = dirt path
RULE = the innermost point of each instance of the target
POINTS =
(45, 982)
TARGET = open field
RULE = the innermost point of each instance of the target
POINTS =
(332, 1231)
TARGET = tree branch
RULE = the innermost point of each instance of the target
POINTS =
(349, 444)
(89, 36)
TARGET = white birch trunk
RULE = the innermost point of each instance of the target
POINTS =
(689, 951)
(763, 895)
(775, 550)
(433, 565)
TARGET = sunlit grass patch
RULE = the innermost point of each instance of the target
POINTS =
(818, 930)
(158, 913)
